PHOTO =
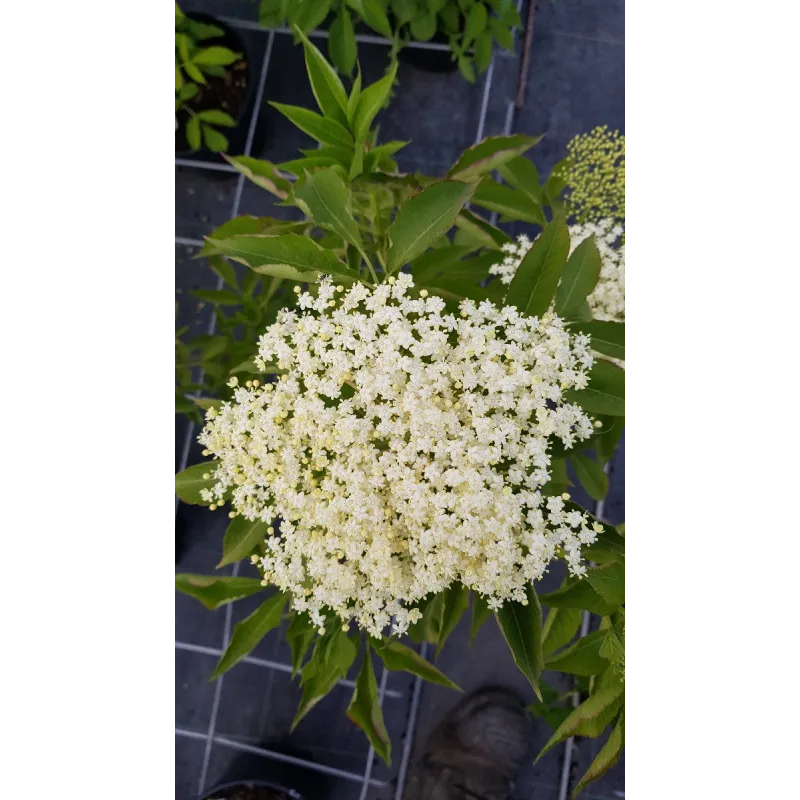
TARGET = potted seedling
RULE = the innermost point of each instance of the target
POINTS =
(213, 85)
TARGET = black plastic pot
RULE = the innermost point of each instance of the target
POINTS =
(251, 790)
(237, 136)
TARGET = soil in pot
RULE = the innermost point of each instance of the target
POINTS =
(232, 94)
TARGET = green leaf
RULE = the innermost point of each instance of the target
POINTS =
(404, 10)
(487, 155)
(193, 136)
(591, 476)
(606, 443)
(521, 173)
(480, 230)
(365, 710)
(502, 33)
(577, 594)
(477, 19)
(373, 12)
(332, 657)
(511, 203)
(342, 43)
(206, 402)
(423, 26)
(606, 758)
(533, 286)
(581, 658)
(272, 13)
(352, 101)
(215, 141)
(375, 155)
(289, 256)
(219, 297)
(216, 55)
(324, 197)
(189, 482)
(310, 14)
(300, 166)
(441, 259)
(521, 626)
(325, 83)
(456, 602)
(423, 219)
(466, 68)
(579, 278)
(324, 130)
(607, 548)
(299, 634)
(483, 51)
(605, 393)
(371, 101)
(214, 591)
(250, 631)
(396, 657)
(480, 613)
(559, 628)
(589, 709)
(608, 581)
(216, 117)
(263, 174)
(236, 227)
(241, 539)
(607, 337)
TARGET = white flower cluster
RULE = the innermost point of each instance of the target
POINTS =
(403, 450)
(607, 301)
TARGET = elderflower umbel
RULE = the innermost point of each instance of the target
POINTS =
(403, 450)
(607, 300)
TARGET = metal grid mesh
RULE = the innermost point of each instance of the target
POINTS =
(210, 737)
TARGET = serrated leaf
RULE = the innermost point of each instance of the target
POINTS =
(250, 631)
(605, 393)
(481, 231)
(373, 12)
(220, 297)
(241, 538)
(489, 154)
(456, 602)
(591, 476)
(559, 628)
(608, 580)
(365, 710)
(325, 83)
(511, 203)
(579, 278)
(521, 173)
(324, 130)
(371, 101)
(324, 197)
(607, 337)
(581, 658)
(239, 226)
(342, 42)
(521, 626)
(480, 613)
(263, 174)
(189, 482)
(534, 284)
(443, 259)
(214, 591)
(299, 634)
(606, 758)
(423, 219)
(332, 657)
(591, 708)
(397, 657)
(375, 155)
(288, 256)
(577, 594)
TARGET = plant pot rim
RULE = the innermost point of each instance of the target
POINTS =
(248, 784)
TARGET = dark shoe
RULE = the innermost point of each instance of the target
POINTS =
(477, 752)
